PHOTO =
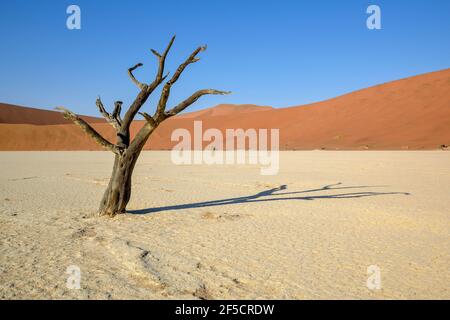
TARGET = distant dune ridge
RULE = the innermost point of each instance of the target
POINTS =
(12, 114)
(412, 113)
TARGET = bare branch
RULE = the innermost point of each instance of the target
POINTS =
(191, 59)
(109, 118)
(159, 114)
(117, 110)
(143, 134)
(135, 81)
(156, 53)
(101, 108)
(148, 118)
(162, 59)
(145, 92)
(69, 115)
(194, 97)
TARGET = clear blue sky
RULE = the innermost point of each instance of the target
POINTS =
(278, 53)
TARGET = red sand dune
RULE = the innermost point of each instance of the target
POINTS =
(412, 113)
(23, 115)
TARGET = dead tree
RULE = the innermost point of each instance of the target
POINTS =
(127, 151)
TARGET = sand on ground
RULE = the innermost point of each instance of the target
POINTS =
(212, 232)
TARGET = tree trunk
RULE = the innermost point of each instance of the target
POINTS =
(118, 193)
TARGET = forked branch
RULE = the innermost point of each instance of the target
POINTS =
(162, 59)
(114, 118)
(152, 123)
(160, 109)
(146, 90)
(69, 115)
(123, 126)
(194, 97)
(116, 112)
(132, 77)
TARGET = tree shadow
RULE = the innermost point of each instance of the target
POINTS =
(273, 196)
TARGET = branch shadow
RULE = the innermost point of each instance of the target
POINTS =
(273, 196)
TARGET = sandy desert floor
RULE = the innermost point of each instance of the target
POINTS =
(212, 232)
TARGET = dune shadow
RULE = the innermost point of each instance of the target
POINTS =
(274, 195)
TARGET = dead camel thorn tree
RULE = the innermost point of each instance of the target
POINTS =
(127, 151)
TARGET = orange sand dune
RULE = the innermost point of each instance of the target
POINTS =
(23, 115)
(412, 113)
